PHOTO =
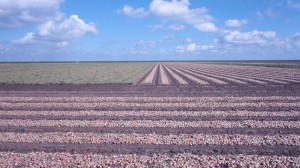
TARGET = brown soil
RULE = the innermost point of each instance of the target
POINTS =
(149, 91)
(145, 149)
(152, 91)
(156, 130)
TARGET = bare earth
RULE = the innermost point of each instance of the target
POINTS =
(177, 115)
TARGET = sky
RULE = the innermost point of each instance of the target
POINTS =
(125, 30)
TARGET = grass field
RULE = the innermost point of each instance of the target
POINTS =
(73, 73)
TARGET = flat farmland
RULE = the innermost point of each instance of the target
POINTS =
(294, 64)
(174, 114)
(201, 74)
(73, 73)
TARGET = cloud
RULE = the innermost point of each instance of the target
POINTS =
(231, 41)
(189, 40)
(52, 25)
(295, 40)
(153, 28)
(271, 13)
(143, 47)
(18, 13)
(130, 11)
(193, 47)
(260, 15)
(236, 23)
(268, 13)
(61, 33)
(170, 9)
(146, 44)
(227, 44)
(293, 5)
(27, 39)
(180, 11)
(174, 27)
(252, 37)
(2, 49)
(67, 29)
(163, 46)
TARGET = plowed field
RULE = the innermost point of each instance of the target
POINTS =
(184, 74)
(177, 115)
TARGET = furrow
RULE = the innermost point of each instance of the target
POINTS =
(190, 77)
(144, 106)
(150, 78)
(239, 74)
(216, 72)
(248, 73)
(214, 80)
(149, 123)
(163, 76)
(178, 78)
(42, 159)
(182, 139)
(261, 71)
(151, 149)
(217, 76)
(272, 75)
(142, 99)
(153, 130)
(152, 118)
(254, 72)
(209, 113)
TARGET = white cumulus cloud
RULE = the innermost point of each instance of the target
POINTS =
(236, 23)
(193, 47)
(252, 37)
(130, 11)
(67, 29)
(174, 27)
(60, 32)
(27, 39)
(170, 9)
(18, 13)
(233, 40)
(177, 10)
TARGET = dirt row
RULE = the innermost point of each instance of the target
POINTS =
(154, 130)
(182, 139)
(42, 159)
(152, 118)
(193, 74)
(92, 91)
(146, 99)
(150, 123)
(151, 149)
(228, 122)
(262, 106)
(209, 113)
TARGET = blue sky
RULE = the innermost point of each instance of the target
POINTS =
(93, 30)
